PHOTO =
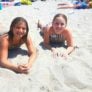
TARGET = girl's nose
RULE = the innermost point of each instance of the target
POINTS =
(59, 25)
(21, 30)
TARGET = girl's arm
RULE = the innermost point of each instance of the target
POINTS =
(46, 38)
(31, 52)
(4, 62)
(70, 43)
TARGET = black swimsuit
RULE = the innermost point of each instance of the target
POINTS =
(57, 40)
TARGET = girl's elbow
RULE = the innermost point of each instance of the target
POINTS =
(2, 62)
(32, 53)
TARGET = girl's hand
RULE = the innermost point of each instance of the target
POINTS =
(54, 52)
(57, 53)
(23, 68)
(64, 54)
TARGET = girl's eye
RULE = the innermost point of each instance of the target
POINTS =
(62, 24)
(17, 27)
(24, 28)
(59, 24)
(20, 28)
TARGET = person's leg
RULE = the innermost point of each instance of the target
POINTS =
(41, 26)
(67, 5)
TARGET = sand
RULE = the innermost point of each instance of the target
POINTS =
(48, 74)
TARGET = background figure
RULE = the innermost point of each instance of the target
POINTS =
(17, 35)
(78, 4)
(57, 35)
(7, 3)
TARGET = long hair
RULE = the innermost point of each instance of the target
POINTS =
(14, 23)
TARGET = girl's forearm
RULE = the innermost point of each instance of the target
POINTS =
(7, 64)
(69, 50)
(32, 58)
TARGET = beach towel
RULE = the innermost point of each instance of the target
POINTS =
(27, 2)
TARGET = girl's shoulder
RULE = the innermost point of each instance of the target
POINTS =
(4, 40)
(67, 28)
(48, 28)
(4, 37)
(29, 38)
(67, 31)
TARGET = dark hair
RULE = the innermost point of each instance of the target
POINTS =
(62, 15)
(82, 0)
(13, 24)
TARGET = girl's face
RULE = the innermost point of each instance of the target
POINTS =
(59, 25)
(19, 30)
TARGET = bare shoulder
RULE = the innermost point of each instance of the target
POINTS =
(47, 28)
(29, 37)
(4, 37)
(29, 40)
(4, 40)
(68, 31)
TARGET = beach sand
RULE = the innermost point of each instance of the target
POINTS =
(48, 74)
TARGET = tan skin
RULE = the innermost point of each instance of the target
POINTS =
(59, 27)
(19, 31)
(70, 5)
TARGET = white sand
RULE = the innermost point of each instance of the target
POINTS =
(48, 74)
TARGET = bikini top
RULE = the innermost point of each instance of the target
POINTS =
(56, 38)
(14, 47)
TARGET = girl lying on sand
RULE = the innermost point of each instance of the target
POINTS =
(57, 35)
(17, 35)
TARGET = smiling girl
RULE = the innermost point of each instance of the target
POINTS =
(57, 35)
(17, 35)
